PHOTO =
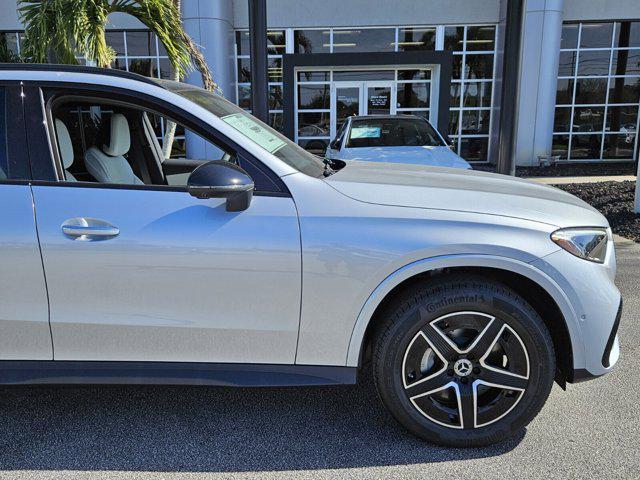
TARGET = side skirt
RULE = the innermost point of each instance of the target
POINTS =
(62, 372)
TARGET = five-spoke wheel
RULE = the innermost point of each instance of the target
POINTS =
(465, 361)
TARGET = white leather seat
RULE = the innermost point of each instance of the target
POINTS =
(108, 165)
(66, 148)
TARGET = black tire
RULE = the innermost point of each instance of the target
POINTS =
(501, 412)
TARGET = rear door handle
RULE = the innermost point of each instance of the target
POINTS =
(89, 229)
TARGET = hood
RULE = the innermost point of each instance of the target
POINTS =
(463, 190)
(419, 155)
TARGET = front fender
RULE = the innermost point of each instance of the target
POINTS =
(452, 261)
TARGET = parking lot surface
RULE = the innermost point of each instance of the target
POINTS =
(592, 430)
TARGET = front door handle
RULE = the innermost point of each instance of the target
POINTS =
(89, 229)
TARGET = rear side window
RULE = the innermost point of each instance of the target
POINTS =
(14, 164)
(4, 154)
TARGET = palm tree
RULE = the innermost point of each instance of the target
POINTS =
(68, 29)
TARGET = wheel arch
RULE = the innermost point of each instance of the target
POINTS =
(542, 292)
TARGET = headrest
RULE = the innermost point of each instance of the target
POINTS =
(119, 140)
(64, 143)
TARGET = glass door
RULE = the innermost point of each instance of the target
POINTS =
(378, 98)
(346, 100)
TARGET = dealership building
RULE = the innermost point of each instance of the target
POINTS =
(577, 82)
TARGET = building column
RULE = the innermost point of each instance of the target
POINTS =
(538, 79)
(210, 25)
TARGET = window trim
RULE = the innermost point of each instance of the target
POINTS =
(51, 92)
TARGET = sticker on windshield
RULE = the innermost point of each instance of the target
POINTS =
(365, 132)
(254, 132)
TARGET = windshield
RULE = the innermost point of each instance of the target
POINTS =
(392, 132)
(251, 128)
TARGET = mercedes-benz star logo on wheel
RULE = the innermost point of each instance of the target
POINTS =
(462, 367)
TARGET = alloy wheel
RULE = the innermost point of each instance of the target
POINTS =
(465, 370)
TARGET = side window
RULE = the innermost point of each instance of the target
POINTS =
(112, 144)
(14, 163)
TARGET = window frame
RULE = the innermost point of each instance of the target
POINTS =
(50, 171)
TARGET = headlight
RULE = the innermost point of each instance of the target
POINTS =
(587, 243)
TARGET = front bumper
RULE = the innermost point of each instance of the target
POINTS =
(596, 307)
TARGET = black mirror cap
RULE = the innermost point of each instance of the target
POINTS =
(221, 179)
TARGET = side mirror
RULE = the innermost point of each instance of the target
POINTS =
(220, 179)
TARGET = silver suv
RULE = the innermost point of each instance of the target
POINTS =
(241, 259)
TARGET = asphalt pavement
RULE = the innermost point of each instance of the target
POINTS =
(590, 431)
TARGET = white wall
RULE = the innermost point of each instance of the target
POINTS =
(336, 13)
(601, 10)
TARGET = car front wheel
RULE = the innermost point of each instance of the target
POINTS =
(463, 362)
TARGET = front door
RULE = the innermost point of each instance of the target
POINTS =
(138, 271)
(360, 98)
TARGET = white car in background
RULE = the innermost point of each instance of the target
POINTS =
(393, 139)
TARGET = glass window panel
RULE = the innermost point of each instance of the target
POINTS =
(475, 121)
(562, 119)
(313, 124)
(596, 35)
(316, 146)
(413, 95)
(422, 74)
(454, 122)
(474, 149)
(275, 97)
(560, 146)
(591, 90)
(116, 41)
(625, 62)
(453, 38)
(416, 39)
(166, 71)
(364, 40)
(569, 36)
(242, 43)
(588, 119)
(313, 76)
(8, 47)
(143, 66)
(161, 50)
(141, 44)
(477, 94)
(363, 75)
(627, 34)
(244, 96)
(481, 38)
(456, 89)
(567, 66)
(311, 41)
(624, 90)
(564, 91)
(595, 62)
(622, 118)
(313, 96)
(456, 71)
(275, 120)
(244, 70)
(119, 63)
(585, 147)
(479, 66)
(619, 146)
(274, 70)
(276, 42)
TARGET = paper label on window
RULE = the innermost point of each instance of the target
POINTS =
(365, 132)
(254, 132)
